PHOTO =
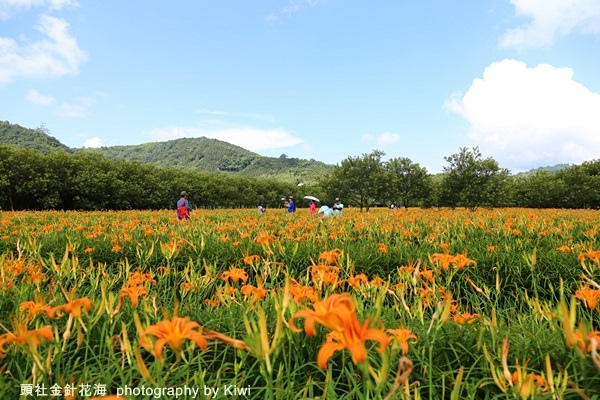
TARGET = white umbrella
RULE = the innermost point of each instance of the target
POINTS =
(312, 198)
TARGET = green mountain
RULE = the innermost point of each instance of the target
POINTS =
(192, 154)
(215, 156)
(39, 139)
(551, 169)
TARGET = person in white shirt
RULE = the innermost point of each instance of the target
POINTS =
(338, 207)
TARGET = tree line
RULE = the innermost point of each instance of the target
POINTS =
(469, 180)
(32, 180)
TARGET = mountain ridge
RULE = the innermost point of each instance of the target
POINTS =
(190, 154)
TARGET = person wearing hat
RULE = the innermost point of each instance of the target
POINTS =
(183, 206)
(337, 206)
(291, 205)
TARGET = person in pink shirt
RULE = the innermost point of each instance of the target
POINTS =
(313, 207)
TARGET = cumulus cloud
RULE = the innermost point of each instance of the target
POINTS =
(528, 117)
(551, 19)
(252, 139)
(93, 143)
(9, 7)
(384, 139)
(56, 54)
(34, 97)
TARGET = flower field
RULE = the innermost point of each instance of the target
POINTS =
(402, 304)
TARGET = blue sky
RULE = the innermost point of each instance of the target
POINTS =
(321, 79)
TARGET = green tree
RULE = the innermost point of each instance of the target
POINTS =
(408, 182)
(582, 182)
(541, 189)
(359, 180)
(471, 181)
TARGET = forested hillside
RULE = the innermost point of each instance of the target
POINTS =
(190, 154)
(38, 139)
(215, 156)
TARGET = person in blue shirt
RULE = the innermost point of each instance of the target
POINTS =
(291, 205)
(183, 206)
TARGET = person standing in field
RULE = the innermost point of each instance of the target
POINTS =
(337, 206)
(183, 206)
(291, 205)
(313, 207)
(261, 208)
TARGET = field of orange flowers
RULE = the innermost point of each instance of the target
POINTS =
(402, 304)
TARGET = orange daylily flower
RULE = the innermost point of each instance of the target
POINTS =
(265, 239)
(402, 336)
(331, 256)
(460, 261)
(382, 248)
(406, 269)
(444, 260)
(235, 275)
(173, 332)
(330, 278)
(35, 307)
(300, 292)
(427, 274)
(255, 293)
(527, 383)
(352, 338)
(250, 260)
(139, 278)
(333, 313)
(356, 280)
(565, 249)
(73, 307)
(590, 296)
(133, 292)
(594, 256)
(321, 273)
(376, 282)
(585, 343)
(465, 318)
(23, 336)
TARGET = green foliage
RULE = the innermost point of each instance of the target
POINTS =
(472, 181)
(360, 180)
(408, 183)
(39, 139)
(89, 181)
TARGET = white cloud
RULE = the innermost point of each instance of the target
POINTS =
(33, 96)
(252, 139)
(94, 143)
(79, 109)
(7, 7)
(384, 139)
(71, 110)
(551, 19)
(292, 7)
(56, 54)
(530, 117)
